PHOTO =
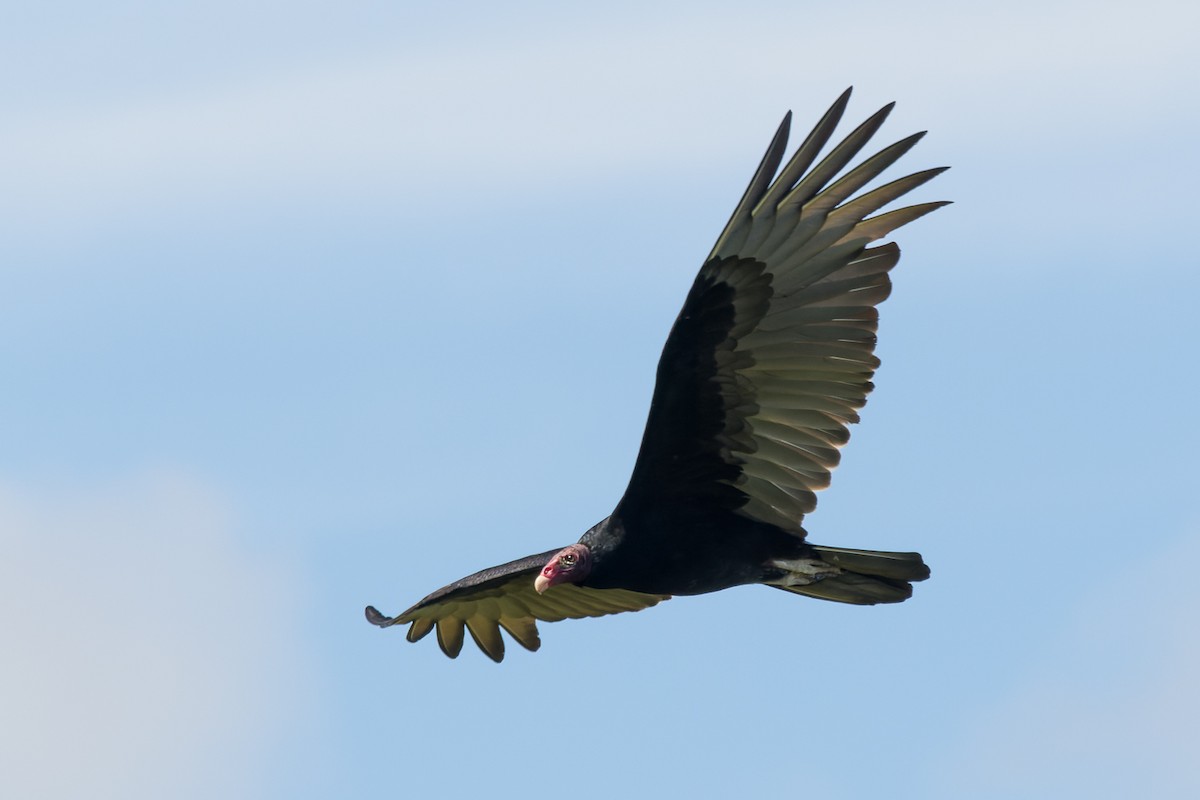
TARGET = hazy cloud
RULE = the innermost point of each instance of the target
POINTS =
(1114, 711)
(146, 653)
(382, 119)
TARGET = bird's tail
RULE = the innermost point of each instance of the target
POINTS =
(867, 577)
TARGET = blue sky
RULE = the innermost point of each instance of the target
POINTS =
(315, 305)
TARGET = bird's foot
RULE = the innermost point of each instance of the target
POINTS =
(802, 571)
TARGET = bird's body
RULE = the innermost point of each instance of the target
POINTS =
(765, 366)
(701, 555)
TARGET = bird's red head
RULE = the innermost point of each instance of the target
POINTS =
(569, 565)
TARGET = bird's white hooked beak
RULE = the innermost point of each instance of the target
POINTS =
(541, 583)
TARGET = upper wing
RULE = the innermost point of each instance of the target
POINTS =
(773, 352)
(504, 597)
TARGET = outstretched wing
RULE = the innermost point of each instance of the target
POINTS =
(504, 597)
(773, 352)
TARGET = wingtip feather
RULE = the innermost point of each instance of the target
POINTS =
(376, 618)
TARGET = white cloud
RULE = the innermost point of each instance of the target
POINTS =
(146, 654)
(535, 104)
(1114, 711)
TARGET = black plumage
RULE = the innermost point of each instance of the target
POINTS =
(769, 361)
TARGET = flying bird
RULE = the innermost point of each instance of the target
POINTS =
(767, 364)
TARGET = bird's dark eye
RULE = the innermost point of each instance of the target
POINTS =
(567, 560)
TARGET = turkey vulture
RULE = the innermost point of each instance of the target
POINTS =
(769, 361)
